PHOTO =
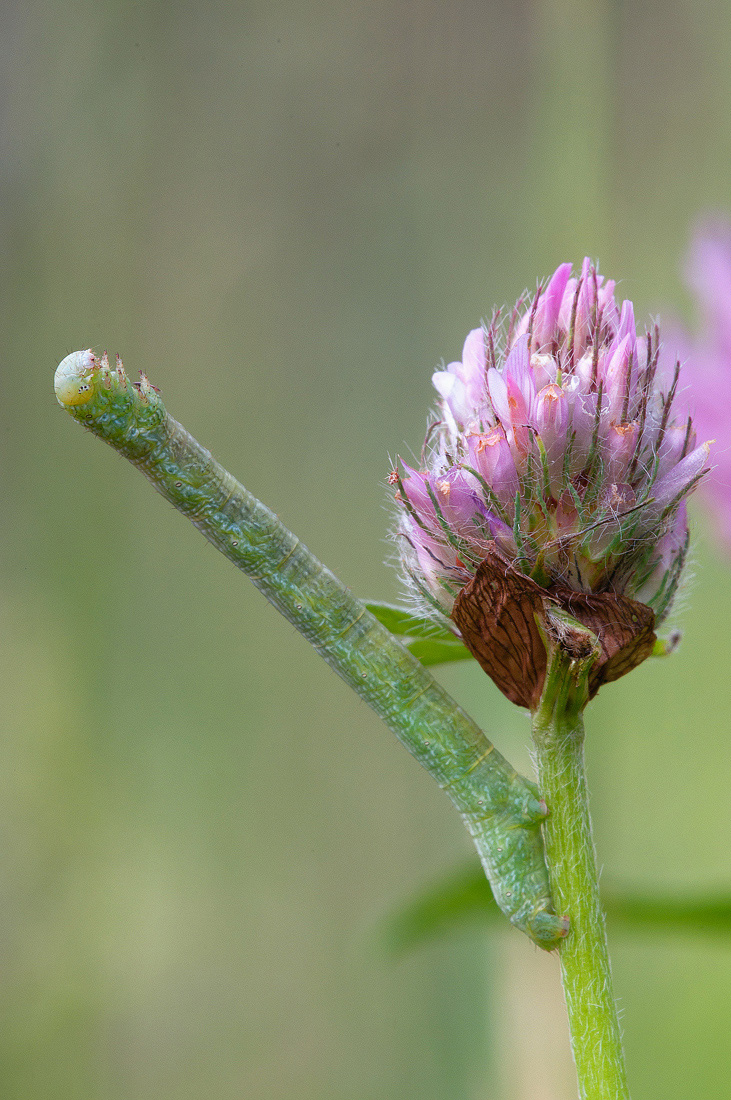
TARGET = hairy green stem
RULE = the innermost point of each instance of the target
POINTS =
(500, 808)
(558, 731)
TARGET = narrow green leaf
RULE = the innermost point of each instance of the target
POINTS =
(464, 896)
(433, 651)
(429, 642)
(457, 899)
(399, 620)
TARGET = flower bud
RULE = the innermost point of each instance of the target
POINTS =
(555, 473)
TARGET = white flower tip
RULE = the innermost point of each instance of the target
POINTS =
(72, 381)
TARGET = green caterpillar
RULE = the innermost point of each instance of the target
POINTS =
(500, 808)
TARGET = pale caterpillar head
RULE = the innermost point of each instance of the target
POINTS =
(73, 380)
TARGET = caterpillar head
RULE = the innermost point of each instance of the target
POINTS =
(73, 381)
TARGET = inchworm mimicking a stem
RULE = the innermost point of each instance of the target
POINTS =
(500, 808)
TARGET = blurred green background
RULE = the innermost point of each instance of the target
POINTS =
(288, 214)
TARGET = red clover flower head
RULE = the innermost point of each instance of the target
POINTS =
(557, 468)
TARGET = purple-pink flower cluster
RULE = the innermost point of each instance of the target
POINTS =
(557, 439)
(707, 360)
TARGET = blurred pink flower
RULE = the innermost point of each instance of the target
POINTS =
(707, 360)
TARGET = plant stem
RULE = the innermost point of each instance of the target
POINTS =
(558, 731)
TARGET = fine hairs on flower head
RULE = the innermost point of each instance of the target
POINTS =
(557, 456)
